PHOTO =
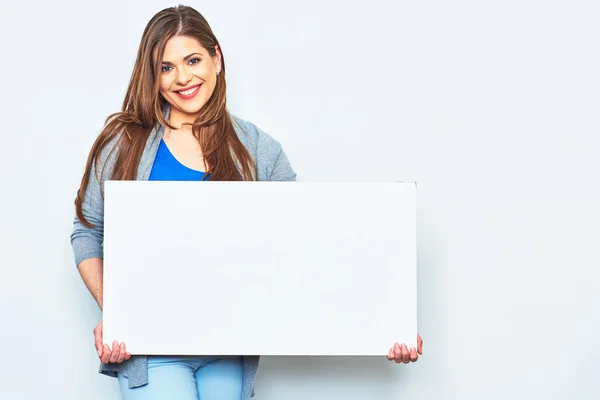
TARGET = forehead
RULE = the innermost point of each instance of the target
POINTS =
(178, 47)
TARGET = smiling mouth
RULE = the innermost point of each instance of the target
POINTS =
(189, 92)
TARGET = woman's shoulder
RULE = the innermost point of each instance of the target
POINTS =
(271, 161)
(254, 138)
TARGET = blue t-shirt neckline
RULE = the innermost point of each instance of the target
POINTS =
(168, 168)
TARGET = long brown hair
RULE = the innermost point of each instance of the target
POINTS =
(225, 157)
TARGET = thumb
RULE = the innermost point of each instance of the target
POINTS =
(98, 339)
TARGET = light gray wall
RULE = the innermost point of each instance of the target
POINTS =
(491, 106)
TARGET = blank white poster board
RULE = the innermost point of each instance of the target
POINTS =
(266, 268)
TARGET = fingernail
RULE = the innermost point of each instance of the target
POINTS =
(99, 353)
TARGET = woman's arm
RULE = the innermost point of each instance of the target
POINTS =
(87, 241)
(88, 251)
(91, 271)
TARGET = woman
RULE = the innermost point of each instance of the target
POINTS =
(174, 125)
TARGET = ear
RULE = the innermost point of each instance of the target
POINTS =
(217, 57)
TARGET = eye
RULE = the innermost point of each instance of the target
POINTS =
(166, 68)
(194, 61)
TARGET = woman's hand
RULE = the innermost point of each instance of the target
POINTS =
(118, 354)
(400, 353)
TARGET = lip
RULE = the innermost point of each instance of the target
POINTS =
(191, 96)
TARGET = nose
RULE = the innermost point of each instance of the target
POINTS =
(183, 76)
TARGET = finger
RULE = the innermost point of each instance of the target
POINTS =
(98, 340)
(127, 354)
(122, 352)
(99, 347)
(106, 354)
(413, 354)
(390, 355)
(397, 353)
(405, 354)
(114, 355)
(419, 344)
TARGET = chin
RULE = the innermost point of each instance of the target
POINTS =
(191, 109)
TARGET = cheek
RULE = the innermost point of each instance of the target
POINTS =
(164, 84)
(205, 72)
(163, 94)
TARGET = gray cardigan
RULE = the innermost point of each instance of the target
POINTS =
(272, 165)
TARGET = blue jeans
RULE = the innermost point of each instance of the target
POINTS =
(189, 378)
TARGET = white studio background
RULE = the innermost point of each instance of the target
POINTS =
(491, 106)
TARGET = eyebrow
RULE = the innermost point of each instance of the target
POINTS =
(184, 58)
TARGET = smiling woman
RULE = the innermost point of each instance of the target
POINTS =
(174, 125)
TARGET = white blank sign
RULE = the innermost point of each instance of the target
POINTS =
(263, 268)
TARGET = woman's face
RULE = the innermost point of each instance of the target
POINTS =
(188, 77)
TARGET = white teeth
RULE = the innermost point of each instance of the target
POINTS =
(188, 92)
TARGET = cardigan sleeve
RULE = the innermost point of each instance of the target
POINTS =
(88, 242)
(273, 161)
(281, 169)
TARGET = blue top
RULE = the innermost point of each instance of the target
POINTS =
(167, 168)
